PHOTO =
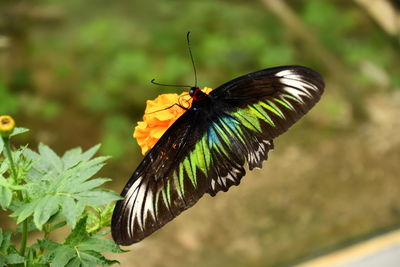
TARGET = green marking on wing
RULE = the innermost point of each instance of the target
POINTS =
(206, 152)
(165, 198)
(188, 162)
(276, 109)
(221, 133)
(221, 148)
(284, 103)
(248, 119)
(261, 114)
(178, 179)
(200, 159)
(298, 100)
(168, 192)
(232, 130)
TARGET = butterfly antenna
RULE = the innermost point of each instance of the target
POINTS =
(172, 85)
(191, 57)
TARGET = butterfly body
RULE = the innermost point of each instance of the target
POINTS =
(205, 150)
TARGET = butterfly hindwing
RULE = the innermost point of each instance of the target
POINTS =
(168, 181)
(206, 149)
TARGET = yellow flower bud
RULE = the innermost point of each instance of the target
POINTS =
(7, 124)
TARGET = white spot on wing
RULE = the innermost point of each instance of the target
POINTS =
(283, 73)
(136, 195)
(295, 92)
(131, 195)
(148, 205)
(300, 85)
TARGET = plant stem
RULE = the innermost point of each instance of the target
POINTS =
(6, 141)
(20, 196)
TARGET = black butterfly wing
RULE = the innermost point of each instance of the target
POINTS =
(167, 181)
(257, 107)
(206, 148)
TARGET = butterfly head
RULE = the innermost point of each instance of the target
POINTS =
(197, 94)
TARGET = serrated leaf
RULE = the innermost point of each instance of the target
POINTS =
(88, 171)
(92, 258)
(25, 211)
(5, 197)
(75, 262)
(99, 245)
(102, 233)
(89, 185)
(79, 234)
(14, 258)
(3, 166)
(51, 157)
(5, 244)
(70, 211)
(48, 244)
(80, 176)
(45, 208)
(62, 255)
(72, 157)
(90, 152)
(97, 197)
(58, 225)
(39, 166)
(18, 130)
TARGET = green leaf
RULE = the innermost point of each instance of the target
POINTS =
(90, 153)
(3, 166)
(92, 258)
(75, 262)
(72, 157)
(25, 211)
(57, 225)
(98, 197)
(51, 157)
(62, 255)
(45, 208)
(5, 244)
(79, 234)
(14, 258)
(99, 245)
(89, 185)
(48, 244)
(62, 186)
(19, 130)
(39, 167)
(70, 211)
(5, 197)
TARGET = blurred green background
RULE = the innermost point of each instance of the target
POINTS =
(78, 73)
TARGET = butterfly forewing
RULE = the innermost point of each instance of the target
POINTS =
(205, 150)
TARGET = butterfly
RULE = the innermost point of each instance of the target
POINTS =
(205, 150)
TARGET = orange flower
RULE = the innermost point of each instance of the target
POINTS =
(159, 115)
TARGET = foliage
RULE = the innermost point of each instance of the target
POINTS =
(101, 57)
(46, 192)
(91, 66)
